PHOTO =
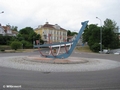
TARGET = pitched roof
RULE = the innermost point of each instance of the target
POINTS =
(14, 32)
(47, 25)
(6, 27)
(62, 29)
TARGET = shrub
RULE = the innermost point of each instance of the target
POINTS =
(16, 45)
(26, 44)
(4, 47)
(95, 47)
(29, 45)
(2, 50)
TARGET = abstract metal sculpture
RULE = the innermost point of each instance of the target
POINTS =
(72, 45)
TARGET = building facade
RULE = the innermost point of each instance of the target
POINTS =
(2, 32)
(51, 33)
(6, 30)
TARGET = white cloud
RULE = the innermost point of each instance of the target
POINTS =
(67, 13)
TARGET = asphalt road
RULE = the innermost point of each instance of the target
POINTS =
(32, 80)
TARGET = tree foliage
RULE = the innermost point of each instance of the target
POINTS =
(27, 36)
(6, 40)
(69, 33)
(111, 24)
(92, 36)
(26, 44)
(110, 39)
(110, 36)
(14, 28)
(73, 33)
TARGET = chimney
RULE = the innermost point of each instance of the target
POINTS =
(8, 27)
(47, 22)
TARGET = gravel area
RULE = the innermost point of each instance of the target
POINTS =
(24, 63)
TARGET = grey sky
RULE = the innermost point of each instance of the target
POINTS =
(67, 13)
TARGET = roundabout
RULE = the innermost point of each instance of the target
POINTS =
(32, 72)
(71, 64)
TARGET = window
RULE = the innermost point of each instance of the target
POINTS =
(45, 36)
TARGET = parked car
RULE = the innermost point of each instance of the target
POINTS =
(105, 51)
(117, 53)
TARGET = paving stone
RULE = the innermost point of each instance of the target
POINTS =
(27, 63)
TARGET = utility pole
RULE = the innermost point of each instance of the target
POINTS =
(100, 35)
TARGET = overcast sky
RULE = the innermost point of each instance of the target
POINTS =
(67, 13)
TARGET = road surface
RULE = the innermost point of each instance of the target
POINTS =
(15, 79)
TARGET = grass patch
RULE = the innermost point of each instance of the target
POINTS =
(84, 49)
(5, 47)
(19, 50)
(25, 50)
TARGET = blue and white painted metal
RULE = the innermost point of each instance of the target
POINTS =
(69, 52)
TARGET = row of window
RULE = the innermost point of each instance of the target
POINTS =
(54, 32)
(54, 38)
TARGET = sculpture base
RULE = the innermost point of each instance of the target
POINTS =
(70, 60)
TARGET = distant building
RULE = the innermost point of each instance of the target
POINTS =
(56, 33)
(71, 38)
(6, 30)
(2, 32)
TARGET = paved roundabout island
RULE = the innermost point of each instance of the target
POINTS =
(71, 64)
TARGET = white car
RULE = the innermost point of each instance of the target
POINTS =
(117, 53)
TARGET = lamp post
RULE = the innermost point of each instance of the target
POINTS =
(1, 12)
(100, 35)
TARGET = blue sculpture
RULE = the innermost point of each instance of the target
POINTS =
(68, 52)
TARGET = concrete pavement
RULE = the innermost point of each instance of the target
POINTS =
(81, 65)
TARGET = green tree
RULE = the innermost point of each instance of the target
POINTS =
(20, 37)
(68, 33)
(25, 33)
(28, 34)
(91, 34)
(14, 28)
(95, 47)
(73, 33)
(2, 42)
(6, 40)
(26, 44)
(111, 24)
(109, 37)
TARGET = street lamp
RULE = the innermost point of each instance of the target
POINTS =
(100, 35)
(2, 12)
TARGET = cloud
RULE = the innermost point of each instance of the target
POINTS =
(67, 13)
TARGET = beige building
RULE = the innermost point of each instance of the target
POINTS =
(55, 32)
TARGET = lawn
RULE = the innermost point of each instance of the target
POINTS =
(84, 49)
(7, 49)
